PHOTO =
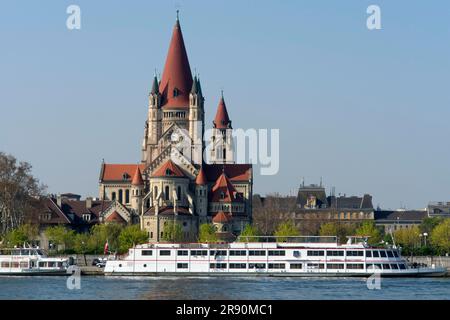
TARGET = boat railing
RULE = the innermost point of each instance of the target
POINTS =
(289, 239)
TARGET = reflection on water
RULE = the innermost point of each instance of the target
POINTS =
(226, 288)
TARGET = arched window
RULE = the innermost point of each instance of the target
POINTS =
(120, 195)
(113, 196)
(127, 196)
(167, 195)
(156, 191)
(179, 193)
(222, 195)
(224, 153)
(175, 92)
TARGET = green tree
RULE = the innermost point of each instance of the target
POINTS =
(440, 236)
(130, 236)
(428, 224)
(248, 234)
(286, 229)
(207, 233)
(21, 235)
(340, 230)
(409, 238)
(102, 233)
(173, 232)
(369, 229)
(61, 236)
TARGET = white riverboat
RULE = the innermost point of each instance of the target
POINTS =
(311, 256)
(30, 261)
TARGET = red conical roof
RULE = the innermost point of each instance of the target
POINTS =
(201, 177)
(221, 217)
(223, 190)
(137, 178)
(222, 121)
(177, 73)
(168, 169)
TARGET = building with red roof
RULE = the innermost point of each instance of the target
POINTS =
(173, 181)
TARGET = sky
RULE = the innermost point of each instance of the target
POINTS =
(366, 110)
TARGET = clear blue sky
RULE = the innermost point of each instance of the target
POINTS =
(367, 110)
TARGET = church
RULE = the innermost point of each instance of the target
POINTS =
(175, 181)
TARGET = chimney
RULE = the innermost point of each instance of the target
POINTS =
(59, 200)
(89, 202)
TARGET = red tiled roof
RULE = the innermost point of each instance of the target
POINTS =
(224, 191)
(115, 217)
(137, 178)
(235, 172)
(222, 121)
(221, 217)
(201, 177)
(168, 169)
(116, 172)
(168, 211)
(177, 73)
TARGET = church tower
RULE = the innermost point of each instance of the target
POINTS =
(222, 136)
(137, 191)
(196, 121)
(201, 196)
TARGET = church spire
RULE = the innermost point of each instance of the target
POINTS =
(176, 81)
(155, 86)
(222, 121)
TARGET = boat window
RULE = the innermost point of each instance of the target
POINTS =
(389, 254)
(386, 266)
(24, 264)
(335, 253)
(277, 253)
(238, 253)
(14, 264)
(199, 252)
(355, 266)
(369, 266)
(42, 264)
(5, 264)
(147, 252)
(218, 265)
(382, 253)
(316, 265)
(257, 265)
(402, 266)
(315, 253)
(182, 265)
(238, 266)
(378, 266)
(257, 253)
(354, 253)
(277, 266)
(164, 253)
(25, 252)
(335, 266)
(394, 266)
(376, 254)
(395, 253)
(296, 266)
(218, 252)
(182, 252)
(369, 254)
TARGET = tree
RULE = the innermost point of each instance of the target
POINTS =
(21, 235)
(130, 236)
(440, 236)
(102, 233)
(207, 233)
(60, 235)
(370, 230)
(248, 234)
(173, 232)
(428, 224)
(286, 229)
(269, 211)
(19, 192)
(408, 238)
(340, 230)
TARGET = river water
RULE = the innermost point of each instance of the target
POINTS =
(98, 287)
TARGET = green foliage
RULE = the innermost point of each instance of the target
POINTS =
(341, 230)
(130, 236)
(21, 235)
(369, 229)
(286, 229)
(83, 243)
(440, 236)
(102, 233)
(247, 234)
(428, 224)
(408, 238)
(207, 233)
(60, 235)
(173, 232)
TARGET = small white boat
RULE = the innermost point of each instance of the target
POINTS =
(311, 256)
(30, 261)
